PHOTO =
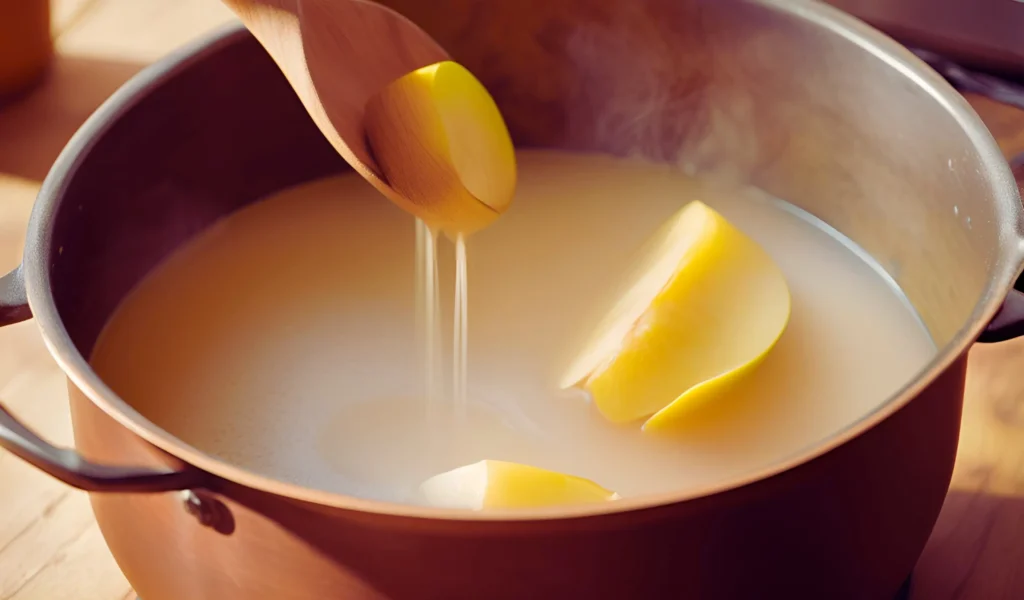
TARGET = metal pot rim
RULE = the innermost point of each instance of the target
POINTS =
(41, 301)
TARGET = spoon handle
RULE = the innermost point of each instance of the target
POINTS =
(337, 55)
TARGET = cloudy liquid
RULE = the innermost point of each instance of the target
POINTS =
(284, 339)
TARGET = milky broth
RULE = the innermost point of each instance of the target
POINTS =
(284, 338)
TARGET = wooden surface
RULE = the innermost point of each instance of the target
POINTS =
(50, 547)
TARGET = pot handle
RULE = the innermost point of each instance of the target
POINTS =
(13, 301)
(69, 467)
(64, 463)
(1009, 321)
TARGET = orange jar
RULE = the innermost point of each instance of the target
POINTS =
(26, 45)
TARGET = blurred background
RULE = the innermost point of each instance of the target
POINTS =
(985, 34)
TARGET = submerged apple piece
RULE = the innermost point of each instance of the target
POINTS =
(705, 306)
(500, 484)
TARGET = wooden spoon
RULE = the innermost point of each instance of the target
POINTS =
(417, 126)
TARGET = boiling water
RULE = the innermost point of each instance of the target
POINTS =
(284, 338)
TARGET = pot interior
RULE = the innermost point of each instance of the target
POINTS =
(740, 92)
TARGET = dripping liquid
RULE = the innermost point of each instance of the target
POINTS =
(440, 405)
(428, 313)
(460, 337)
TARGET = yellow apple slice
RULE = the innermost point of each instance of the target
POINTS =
(499, 484)
(442, 144)
(705, 306)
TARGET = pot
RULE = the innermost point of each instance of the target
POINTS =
(793, 97)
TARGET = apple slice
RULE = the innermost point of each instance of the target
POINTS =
(499, 484)
(706, 304)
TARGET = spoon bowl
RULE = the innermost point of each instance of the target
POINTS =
(343, 56)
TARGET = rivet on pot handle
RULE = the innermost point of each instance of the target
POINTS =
(64, 463)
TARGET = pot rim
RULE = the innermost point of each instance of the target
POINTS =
(75, 365)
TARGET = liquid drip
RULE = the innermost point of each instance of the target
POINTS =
(428, 311)
(460, 339)
(281, 340)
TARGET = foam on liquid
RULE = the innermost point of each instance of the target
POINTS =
(286, 339)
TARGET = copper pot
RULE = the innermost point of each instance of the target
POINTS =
(793, 97)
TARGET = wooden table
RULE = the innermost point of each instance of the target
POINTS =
(50, 547)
